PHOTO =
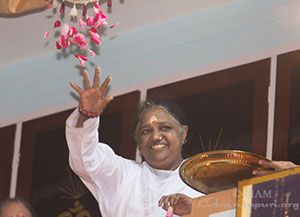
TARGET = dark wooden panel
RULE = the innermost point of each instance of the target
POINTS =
(246, 81)
(286, 136)
(7, 137)
(45, 178)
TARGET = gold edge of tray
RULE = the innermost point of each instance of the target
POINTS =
(247, 161)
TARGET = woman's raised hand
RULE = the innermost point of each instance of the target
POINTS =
(92, 98)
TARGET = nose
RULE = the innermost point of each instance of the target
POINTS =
(156, 136)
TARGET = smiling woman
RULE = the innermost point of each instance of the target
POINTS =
(124, 187)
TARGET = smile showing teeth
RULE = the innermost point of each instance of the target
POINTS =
(157, 147)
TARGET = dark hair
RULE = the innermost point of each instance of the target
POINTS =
(9, 201)
(165, 103)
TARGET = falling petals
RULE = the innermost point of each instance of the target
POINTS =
(65, 29)
(81, 23)
(58, 45)
(57, 24)
(109, 3)
(96, 7)
(93, 30)
(82, 41)
(91, 52)
(64, 41)
(90, 21)
(46, 35)
(72, 31)
(114, 25)
(81, 59)
(96, 38)
(62, 7)
(84, 11)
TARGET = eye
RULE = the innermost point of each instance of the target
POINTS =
(165, 128)
(145, 132)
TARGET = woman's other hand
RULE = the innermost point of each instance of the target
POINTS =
(181, 204)
(276, 165)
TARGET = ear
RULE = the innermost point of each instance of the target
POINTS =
(184, 134)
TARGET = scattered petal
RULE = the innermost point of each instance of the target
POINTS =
(91, 52)
(58, 45)
(81, 57)
(84, 10)
(62, 7)
(96, 38)
(114, 25)
(46, 35)
(64, 41)
(93, 30)
(90, 21)
(81, 23)
(57, 24)
(72, 31)
(65, 29)
(96, 7)
(72, 40)
(82, 41)
(109, 3)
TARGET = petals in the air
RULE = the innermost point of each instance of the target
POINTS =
(91, 52)
(46, 35)
(57, 23)
(58, 45)
(81, 23)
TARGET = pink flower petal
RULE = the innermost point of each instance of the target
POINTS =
(46, 35)
(82, 62)
(64, 41)
(65, 29)
(81, 23)
(109, 3)
(93, 30)
(96, 38)
(62, 8)
(58, 45)
(114, 25)
(96, 5)
(91, 52)
(57, 24)
(81, 57)
(90, 21)
(72, 31)
(72, 40)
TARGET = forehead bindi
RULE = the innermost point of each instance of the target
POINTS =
(156, 116)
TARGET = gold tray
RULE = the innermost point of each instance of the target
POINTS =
(215, 171)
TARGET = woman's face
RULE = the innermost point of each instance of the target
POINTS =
(160, 140)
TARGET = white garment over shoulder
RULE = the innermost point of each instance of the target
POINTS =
(122, 187)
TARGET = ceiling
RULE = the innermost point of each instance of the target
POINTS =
(22, 34)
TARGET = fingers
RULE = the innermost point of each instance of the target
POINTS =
(96, 80)
(105, 84)
(76, 88)
(86, 80)
(169, 200)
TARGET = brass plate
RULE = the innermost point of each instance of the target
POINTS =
(215, 171)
